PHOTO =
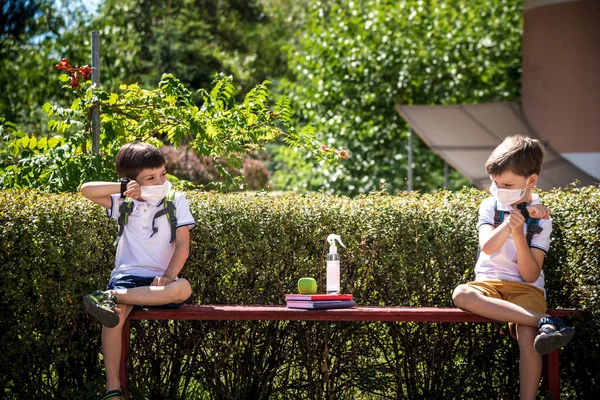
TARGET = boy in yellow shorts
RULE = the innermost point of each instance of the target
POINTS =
(514, 236)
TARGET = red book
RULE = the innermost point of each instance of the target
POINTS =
(317, 297)
(316, 305)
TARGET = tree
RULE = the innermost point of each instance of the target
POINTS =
(352, 62)
(20, 19)
(35, 32)
(218, 127)
(191, 39)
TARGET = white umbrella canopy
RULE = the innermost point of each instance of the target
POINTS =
(465, 135)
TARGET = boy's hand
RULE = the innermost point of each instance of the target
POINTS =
(133, 191)
(538, 211)
(161, 281)
(515, 221)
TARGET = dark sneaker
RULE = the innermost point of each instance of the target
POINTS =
(112, 394)
(100, 305)
(552, 334)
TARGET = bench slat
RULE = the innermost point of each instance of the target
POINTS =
(280, 313)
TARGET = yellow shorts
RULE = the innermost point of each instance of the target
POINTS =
(520, 293)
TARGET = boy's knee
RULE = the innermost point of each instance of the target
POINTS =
(526, 336)
(125, 309)
(184, 290)
(461, 294)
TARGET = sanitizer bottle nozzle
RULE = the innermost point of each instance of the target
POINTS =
(332, 247)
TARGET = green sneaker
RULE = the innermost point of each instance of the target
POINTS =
(100, 305)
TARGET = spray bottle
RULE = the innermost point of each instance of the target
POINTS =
(333, 265)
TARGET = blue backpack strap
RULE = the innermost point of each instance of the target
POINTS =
(498, 215)
(533, 228)
(125, 209)
(171, 212)
(532, 224)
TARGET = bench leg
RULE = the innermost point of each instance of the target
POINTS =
(125, 338)
(551, 375)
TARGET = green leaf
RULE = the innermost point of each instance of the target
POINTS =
(211, 131)
(32, 143)
(75, 104)
(47, 108)
(41, 144)
(54, 141)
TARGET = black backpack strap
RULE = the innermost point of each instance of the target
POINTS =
(171, 213)
(125, 209)
(533, 228)
(157, 215)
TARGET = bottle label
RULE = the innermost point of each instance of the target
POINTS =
(333, 276)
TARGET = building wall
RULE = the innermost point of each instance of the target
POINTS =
(561, 77)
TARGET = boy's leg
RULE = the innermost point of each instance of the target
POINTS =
(530, 362)
(133, 290)
(476, 301)
(101, 305)
(111, 348)
(175, 292)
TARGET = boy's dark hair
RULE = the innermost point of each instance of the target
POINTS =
(134, 157)
(518, 154)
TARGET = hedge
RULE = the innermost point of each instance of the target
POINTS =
(411, 250)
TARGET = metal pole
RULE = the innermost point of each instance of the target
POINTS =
(96, 82)
(410, 160)
(445, 175)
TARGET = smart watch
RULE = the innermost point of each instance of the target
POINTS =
(124, 182)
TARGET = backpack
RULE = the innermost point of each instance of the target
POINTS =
(126, 208)
(532, 225)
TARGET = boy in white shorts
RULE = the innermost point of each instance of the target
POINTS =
(514, 236)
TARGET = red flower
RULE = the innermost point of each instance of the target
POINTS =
(64, 65)
(86, 71)
(74, 82)
(344, 153)
(324, 148)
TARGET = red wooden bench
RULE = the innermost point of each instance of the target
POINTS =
(550, 374)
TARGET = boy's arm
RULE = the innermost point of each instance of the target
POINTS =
(529, 260)
(99, 192)
(182, 250)
(491, 239)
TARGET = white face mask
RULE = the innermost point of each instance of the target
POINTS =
(155, 193)
(507, 197)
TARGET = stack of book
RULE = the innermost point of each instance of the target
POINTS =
(319, 301)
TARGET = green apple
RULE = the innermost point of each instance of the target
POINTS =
(307, 286)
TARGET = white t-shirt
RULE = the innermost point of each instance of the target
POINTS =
(138, 253)
(502, 265)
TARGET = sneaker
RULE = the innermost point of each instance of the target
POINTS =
(552, 334)
(100, 305)
(113, 394)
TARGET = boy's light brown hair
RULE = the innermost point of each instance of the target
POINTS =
(134, 157)
(518, 154)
